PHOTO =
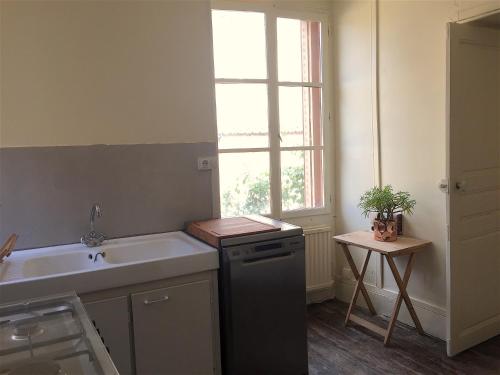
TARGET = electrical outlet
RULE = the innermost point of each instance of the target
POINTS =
(205, 163)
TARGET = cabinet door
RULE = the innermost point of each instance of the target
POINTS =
(111, 319)
(173, 330)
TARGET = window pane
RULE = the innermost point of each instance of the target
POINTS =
(244, 183)
(242, 120)
(239, 44)
(302, 180)
(300, 116)
(299, 50)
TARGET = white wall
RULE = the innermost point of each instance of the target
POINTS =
(412, 123)
(410, 39)
(468, 9)
(352, 108)
(106, 72)
(136, 75)
(418, 126)
(413, 129)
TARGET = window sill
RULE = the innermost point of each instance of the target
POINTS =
(306, 213)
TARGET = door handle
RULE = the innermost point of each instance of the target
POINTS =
(150, 302)
(460, 185)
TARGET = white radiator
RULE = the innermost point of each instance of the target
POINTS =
(319, 259)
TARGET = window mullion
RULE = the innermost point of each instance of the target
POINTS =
(274, 142)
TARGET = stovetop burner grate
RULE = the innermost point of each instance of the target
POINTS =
(28, 323)
(39, 367)
(27, 331)
(37, 334)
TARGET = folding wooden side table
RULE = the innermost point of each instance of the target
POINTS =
(403, 246)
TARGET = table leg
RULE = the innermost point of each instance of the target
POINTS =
(359, 282)
(402, 295)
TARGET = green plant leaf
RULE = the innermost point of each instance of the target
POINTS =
(386, 203)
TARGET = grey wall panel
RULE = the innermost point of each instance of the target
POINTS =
(46, 192)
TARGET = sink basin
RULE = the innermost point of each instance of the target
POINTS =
(54, 264)
(146, 251)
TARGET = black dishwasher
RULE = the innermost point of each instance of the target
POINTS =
(263, 303)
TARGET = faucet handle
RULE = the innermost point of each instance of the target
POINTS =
(97, 209)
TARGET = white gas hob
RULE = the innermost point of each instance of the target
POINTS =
(49, 336)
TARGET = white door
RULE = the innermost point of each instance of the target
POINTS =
(474, 172)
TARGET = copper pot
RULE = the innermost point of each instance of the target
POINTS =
(385, 231)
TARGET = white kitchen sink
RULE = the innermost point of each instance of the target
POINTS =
(127, 261)
(176, 245)
(60, 263)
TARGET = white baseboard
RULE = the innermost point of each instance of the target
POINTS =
(432, 318)
(320, 293)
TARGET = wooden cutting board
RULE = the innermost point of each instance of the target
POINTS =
(213, 231)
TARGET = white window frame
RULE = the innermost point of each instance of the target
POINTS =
(271, 13)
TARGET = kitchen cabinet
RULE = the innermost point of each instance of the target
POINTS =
(168, 326)
(173, 330)
(112, 321)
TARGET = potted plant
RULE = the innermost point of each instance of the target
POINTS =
(385, 203)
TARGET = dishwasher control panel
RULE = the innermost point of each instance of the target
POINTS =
(264, 249)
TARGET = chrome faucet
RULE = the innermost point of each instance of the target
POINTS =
(93, 238)
(96, 210)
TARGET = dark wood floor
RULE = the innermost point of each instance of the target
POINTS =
(335, 349)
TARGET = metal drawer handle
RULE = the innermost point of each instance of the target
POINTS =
(150, 302)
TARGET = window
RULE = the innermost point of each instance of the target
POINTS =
(270, 113)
